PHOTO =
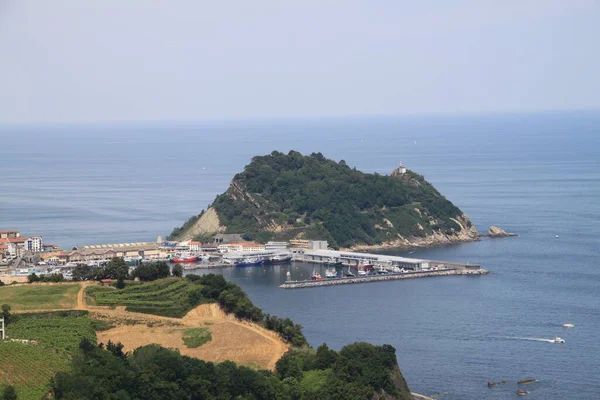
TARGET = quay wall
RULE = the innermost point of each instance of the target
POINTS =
(380, 278)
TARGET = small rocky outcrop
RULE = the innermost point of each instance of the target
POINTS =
(496, 232)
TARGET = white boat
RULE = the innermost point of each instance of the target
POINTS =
(558, 340)
(203, 257)
(568, 325)
(330, 273)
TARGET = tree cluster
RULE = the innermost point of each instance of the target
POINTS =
(118, 269)
(152, 271)
(359, 371)
(31, 278)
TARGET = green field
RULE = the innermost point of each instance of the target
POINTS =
(29, 366)
(196, 337)
(40, 297)
(171, 297)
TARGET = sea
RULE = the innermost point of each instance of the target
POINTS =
(537, 175)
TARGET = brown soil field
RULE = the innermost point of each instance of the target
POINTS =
(239, 341)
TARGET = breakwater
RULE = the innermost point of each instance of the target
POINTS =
(381, 278)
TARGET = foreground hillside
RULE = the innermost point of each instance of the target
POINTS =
(281, 196)
(151, 356)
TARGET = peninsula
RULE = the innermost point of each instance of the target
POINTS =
(292, 196)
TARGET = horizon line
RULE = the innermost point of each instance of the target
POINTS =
(307, 118)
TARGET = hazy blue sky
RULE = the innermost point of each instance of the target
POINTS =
(113, 60)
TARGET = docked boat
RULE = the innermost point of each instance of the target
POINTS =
(362, 272)
(203, 257)
(279, 259)
(181, 258)
(249, 262)
(330, 273)
(559, 340)
(316, 276)
(349, 274)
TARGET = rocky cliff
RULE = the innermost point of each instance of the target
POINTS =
(281, 196)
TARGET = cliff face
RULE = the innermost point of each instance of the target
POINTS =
(294, 196)
(207, 224)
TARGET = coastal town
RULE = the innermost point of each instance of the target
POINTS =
(26, 255)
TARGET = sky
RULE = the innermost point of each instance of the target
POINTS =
(73, 61)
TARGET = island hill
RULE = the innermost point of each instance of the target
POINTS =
(291, 196)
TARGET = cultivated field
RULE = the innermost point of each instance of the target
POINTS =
(231, 339)
(166, 297)
(39, 297)
(49, 340)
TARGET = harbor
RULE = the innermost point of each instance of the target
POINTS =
(331, 267)
(340, 267)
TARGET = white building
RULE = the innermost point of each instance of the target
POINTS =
(276, 246)
(194, 246)
(33, 244)
(241, 247)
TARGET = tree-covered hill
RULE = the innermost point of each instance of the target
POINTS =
(284, 196)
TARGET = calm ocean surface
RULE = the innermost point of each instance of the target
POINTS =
(538, 175)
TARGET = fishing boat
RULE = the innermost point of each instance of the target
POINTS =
(316, 276)
(279, 259)
(181, 258)
(559, 340)
(249, 262)
(330, 273)
(349, 273)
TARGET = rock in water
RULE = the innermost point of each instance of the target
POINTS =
(495, 232)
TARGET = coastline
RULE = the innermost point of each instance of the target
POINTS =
(418, 396)
(414, 243)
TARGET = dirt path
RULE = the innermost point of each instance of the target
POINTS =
(80, 295)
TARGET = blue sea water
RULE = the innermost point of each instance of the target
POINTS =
(537, 175)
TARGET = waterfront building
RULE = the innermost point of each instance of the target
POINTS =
(242, 247)
(208, 248)
(108, 251)
(9, 234)
(318, 245)
(276, 246)
(194, 246)
(227, 238)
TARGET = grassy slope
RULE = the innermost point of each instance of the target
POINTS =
(166, 297)
(40, 297)
(30, 366)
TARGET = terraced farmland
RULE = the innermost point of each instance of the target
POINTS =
(53, 338)
(166, 297)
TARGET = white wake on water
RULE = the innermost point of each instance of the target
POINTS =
(530, 338)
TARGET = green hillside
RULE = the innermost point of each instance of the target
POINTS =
(284, 196)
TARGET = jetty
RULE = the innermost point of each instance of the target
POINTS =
(388, 268)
